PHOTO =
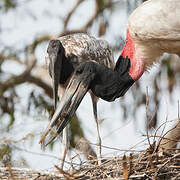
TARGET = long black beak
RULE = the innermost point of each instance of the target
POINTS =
(56, 70)
(55, 57)
(75, 91)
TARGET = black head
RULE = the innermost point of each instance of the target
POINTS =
(55, 47)
(111, 84)
(105, 83)
(78, 86)
(86, 72)
(108, 84)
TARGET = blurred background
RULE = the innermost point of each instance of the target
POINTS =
(26, 104)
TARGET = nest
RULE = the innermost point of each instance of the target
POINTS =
(145, 165)
(142, 166)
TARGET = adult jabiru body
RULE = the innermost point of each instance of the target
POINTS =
(152, 29)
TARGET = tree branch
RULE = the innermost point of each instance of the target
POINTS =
(39, 40)
(16, 80)
(40, 83)
(9, 57)
(66, 21)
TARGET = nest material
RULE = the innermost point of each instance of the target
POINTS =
(142, 167)
(145, 165)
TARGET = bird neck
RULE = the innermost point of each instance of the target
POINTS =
(136, 64)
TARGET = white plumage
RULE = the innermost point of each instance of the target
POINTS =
(155, 28)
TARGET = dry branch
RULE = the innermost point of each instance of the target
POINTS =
(164, 166)
(38, 41)
(71, 12)
(16, 80)
(10, 57)
(40, 83)
(24, 173)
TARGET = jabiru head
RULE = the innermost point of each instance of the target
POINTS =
(102, 81)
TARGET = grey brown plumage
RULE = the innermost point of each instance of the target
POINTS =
(83, 47)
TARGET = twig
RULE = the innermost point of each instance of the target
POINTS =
(6, 161)
(162, 132)
(161, 136)
(11, 82)
(168, 132)
(31, 48)
(10, 57)
(178, 111)
(32, 79)
(163, 165)
(40, 154)
(125, 168)
(117, 149)
(66, 21)
(24, 173)
(130, 164)
(147, 118)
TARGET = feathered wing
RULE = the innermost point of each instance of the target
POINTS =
(156, 20)
(83, 47)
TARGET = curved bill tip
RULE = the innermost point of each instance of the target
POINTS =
(47, 137)
(70, 101)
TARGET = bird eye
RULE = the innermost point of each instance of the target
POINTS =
(79, 71)
(54, 44)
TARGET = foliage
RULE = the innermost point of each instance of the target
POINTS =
(6, 5)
